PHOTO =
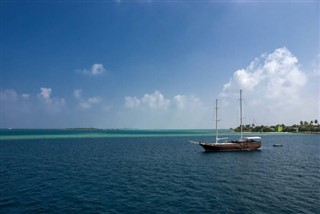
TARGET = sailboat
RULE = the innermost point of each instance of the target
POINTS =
(242, 144)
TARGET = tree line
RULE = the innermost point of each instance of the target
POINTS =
(304, 126)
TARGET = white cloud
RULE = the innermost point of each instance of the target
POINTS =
(155, 101)
(278, 76)
(132, 102)
(184, 102)
(96, 69)
(25, 96)
(21, 110)
(273, 86)
(45, 94)
(180, 101)
(85, 103)
(156, 111)
(51, 104)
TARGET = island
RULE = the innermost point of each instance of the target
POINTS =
(304, 127)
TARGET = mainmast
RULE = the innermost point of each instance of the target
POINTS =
(240, 115)
(217, 138)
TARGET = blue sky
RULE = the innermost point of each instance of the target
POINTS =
(154, 64)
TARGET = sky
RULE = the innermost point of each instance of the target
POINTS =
(158, 64)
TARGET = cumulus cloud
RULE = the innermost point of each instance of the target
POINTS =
(180, 101)
(154, 101)
(45, 94)
(96, 69)
(273, 84)
(132, 102)
(51, 104)
(276, 75)
(157, 101)
(85, 103)
(156, 111)
(22, 109)
(184, 101)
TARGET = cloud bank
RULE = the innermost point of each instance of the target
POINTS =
(156, 111)
(157, 101)
(24, 110)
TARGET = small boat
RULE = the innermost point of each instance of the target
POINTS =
(242, 144)
(277, 145)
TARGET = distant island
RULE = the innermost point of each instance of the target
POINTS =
(83, 129)
(303, 127)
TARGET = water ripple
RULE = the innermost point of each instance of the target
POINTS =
(158, 175)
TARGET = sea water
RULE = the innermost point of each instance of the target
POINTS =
(155, 171)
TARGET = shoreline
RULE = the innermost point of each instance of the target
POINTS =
(306, 132)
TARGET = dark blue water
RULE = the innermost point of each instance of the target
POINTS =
(158, 175)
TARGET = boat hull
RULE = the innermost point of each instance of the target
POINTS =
(237, 146)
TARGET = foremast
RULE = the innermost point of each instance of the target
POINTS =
(217, 134)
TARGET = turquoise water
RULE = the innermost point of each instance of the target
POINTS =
(7, 134)
(155, 171)
(23, 134)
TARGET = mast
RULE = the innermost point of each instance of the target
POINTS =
(240, 114)
(217, 121)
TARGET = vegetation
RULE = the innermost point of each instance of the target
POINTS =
(304, 126)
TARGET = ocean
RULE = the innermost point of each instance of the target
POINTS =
(155, 171)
